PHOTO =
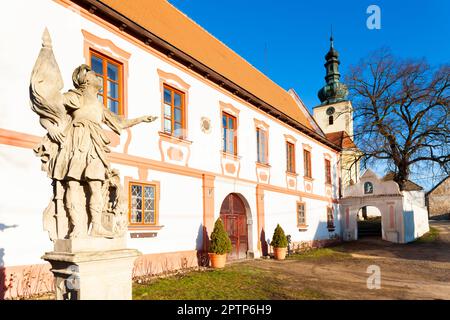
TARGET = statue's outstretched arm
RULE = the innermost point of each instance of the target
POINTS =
(117, 123)
(132, 122)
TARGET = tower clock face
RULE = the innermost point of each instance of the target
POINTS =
(330, 111)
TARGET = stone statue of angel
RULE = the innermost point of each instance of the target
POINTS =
(87, 195)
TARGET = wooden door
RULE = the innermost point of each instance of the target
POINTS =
(234, 217)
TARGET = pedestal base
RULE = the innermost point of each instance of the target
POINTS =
(92, 275)
(89, 244)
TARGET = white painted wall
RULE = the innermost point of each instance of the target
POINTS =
(282, 209)
(181, 214)
(414, 201)
(25, 193)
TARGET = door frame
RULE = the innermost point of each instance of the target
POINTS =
(246, 216)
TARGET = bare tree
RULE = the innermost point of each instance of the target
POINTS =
(401, 113)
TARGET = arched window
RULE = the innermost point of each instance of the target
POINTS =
(330, 120)
(368, 187)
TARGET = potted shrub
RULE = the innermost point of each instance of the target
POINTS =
(219, 246)
(279, 243)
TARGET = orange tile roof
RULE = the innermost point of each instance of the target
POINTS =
(341, 139)
(165, 21)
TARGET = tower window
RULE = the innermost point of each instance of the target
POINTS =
(330, 120)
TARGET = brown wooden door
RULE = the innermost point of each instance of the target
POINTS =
(234, 217)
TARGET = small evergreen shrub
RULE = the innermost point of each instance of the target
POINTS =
(220, 242)
(279, 239)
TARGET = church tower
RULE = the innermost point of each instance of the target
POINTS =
(335, 117)
(334, 114)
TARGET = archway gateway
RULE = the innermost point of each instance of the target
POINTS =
(234, 216)
(403, 213)
(369, 222)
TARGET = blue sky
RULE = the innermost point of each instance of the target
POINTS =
(287, 39)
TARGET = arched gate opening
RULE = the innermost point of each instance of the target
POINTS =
(233, 213)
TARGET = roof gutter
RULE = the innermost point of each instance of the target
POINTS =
(110, 15)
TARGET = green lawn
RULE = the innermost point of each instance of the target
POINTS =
(236, 281)
(430, 236)
(329, 253)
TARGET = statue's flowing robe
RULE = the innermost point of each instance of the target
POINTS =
(83, 153)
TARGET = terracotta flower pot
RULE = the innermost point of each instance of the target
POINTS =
(279, 253)
(217, 260)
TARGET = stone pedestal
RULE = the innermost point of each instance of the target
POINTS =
(92, 269)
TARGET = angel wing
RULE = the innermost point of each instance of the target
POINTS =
(47, 101)
(46, 84)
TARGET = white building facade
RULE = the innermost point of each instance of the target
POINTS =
(220, 148)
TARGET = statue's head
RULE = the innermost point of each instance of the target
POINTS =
(84, 77)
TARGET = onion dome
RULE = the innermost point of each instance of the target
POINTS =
(334, 90)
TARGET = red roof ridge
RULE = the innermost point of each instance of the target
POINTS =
(342, 139)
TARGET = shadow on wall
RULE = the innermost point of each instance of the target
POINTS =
(325, 234)
(322, 237)
(3, 227)
(202, 245)
(264, 243)
(409, 226)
